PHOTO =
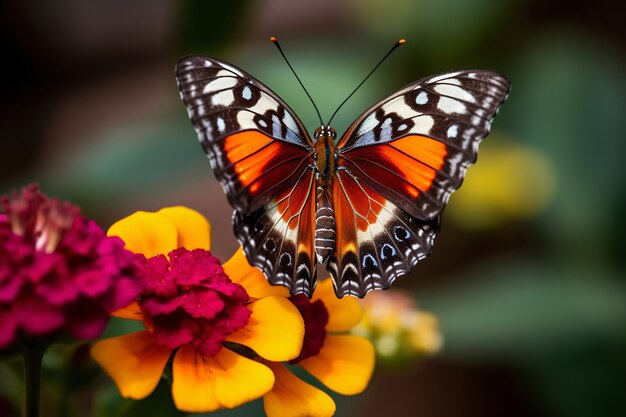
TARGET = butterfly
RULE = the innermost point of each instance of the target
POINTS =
(368, 205)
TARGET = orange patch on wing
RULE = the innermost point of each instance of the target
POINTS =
(249, 152)
(429, 151)
(407, 166)
(260, 161)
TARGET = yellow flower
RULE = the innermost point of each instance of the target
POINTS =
(216, 320)
(342, 362)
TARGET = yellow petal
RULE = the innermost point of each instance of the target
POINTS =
(133, 361)
(240, 271)
(343, 313)
(131, 311)
(226, 380)
(345, 363)
(194, 231)
(292, 397)
(275, 330)
(147, 233)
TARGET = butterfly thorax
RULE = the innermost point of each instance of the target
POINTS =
(325, 153)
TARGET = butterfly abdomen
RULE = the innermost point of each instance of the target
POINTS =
(325, 226)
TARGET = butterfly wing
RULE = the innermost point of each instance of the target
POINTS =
(398, 165)
(256, 145)
(263, 158)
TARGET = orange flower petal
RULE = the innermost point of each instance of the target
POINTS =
(226, 380)
(343, 313)
(292, 397)
(194, 231)
(131, 311)
(240, 271)
(345, 363)
(133, 361)
(275, 330)
(147, 233)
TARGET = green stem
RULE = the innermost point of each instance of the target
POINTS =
(32, 355)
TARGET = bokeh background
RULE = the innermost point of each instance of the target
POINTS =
(528, 275)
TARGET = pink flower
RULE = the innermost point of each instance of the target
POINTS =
(188, 299)
(58, 270)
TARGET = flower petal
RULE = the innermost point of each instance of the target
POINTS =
(226, 380)
(345, 364)
(343, 313)
(275, 329)
(292, 397)
(240, 271)
(133, 361)
(150, 234)
(131, 311)
(194, 231)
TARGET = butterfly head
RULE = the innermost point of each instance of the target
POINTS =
(324, 131)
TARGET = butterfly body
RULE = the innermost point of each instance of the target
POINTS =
(368, 205)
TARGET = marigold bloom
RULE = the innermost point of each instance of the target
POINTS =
(58, 270)
(215, 319)
(342, 362)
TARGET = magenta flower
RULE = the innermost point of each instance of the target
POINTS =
(190, 300)
(58, 270)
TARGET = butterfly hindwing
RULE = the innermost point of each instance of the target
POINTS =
(415, 146)
(376, 240)
(256, 145)
(280, 236)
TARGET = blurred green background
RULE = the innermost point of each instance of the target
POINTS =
(527, 276)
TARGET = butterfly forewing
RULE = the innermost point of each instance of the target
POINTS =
(415, 146)
(256, 145)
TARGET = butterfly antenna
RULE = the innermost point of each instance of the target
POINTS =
(393, 48)
(275, 42)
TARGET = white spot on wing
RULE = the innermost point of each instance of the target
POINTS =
(221, 126)
(422, 98)
(423, 124)
(221, 83)
(223, 98)
(454, 91)
(246, 93)
(453, 131)
(449, 105)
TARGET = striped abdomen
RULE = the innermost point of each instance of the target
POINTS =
(324, 224)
